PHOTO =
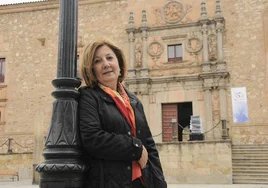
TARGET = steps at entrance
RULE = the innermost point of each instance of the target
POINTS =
(250, 164)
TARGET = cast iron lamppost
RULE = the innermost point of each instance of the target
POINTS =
(63, 166)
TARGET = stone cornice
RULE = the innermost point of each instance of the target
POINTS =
(137, 80)
(174, 26)
(164, 79)
(8, 134)
(207, 75)
(165, 27)
(175, 78)
(42, 5)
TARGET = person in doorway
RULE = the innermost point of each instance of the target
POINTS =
(120, 149)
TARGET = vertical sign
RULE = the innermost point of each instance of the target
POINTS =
(239, 104)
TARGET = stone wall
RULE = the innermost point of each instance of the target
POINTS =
(19, 162)
(245, 54)
(185, 162)
(197, 162)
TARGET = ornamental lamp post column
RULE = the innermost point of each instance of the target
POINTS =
(63, 166)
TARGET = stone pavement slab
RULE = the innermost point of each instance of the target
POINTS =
(216, 186)
(28, 184)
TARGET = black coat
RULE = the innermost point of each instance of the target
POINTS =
(110, 146)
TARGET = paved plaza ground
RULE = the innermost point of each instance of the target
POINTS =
(28, 184)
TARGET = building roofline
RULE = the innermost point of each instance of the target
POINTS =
(42, 5)
(11, 4)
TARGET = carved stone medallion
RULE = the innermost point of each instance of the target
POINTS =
(173, 11)
(194, 44)
(155, 50)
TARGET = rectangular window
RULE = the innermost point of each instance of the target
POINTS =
(174, 52)
(2, 70)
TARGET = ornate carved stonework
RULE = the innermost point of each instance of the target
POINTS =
(212, 47)
(194, 44)
(138, 54)
(155, 50)
(186, 18)
(173, 11)
(215, 106)
(158, 17)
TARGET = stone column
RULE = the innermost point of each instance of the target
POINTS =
(221, 65)
(219, 30)
(223, 107)
(131, 39)
(144, 29)
(208, 124)
(204, 28)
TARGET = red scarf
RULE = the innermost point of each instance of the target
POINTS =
(122, 102)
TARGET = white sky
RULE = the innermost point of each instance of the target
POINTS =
(3, 2)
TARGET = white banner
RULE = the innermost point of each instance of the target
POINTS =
(239, 104)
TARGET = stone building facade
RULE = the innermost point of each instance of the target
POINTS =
(184, 57)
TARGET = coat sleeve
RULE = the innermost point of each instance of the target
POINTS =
(99, 143)
(153, 156)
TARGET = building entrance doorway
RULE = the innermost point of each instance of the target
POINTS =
(185, 111)
(175, 117)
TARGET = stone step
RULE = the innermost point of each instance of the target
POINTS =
(257, 155)
(249, 157)
(250, 171)
(250, 181)
(250, 176)
(249, 164)
(250, 168)
(265, 151)
(250, 146)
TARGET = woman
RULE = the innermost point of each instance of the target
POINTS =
(114, 131)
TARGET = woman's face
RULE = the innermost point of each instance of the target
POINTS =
(106, 67)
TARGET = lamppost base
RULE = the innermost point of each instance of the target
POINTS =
(62, 180)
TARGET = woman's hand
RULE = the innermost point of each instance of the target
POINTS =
(144, 158)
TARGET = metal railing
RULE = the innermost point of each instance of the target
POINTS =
(10, 142)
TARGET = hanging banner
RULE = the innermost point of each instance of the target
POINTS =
(239, 104)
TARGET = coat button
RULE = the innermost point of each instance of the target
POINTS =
(137, 145)
(128, 168)
(129, 133)
(139, 132)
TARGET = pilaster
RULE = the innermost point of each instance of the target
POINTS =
(144, 29)
(208, 124)
(204, 29)
(219, 30)
(223, 107)
(131, 38)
